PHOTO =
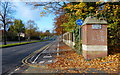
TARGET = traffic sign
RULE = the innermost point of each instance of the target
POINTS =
(79, 22)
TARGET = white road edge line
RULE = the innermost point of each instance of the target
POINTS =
(39, 55)
(32, 58)
(14, 71)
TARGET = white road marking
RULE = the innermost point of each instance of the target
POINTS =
(14, 71)
(41, 62)
(49, 60)
(47, 56)
(40, 54)
(32, 58)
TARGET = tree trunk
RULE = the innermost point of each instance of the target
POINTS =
(5, 36)
(29, 38)
(19, 38)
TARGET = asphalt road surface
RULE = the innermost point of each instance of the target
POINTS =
(12, 56)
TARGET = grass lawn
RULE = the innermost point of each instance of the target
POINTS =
(22, 43)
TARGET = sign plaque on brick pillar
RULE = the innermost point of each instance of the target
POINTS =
(94, 38)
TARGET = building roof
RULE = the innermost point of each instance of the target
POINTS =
(93, 20)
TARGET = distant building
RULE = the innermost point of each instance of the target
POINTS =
(22, 34)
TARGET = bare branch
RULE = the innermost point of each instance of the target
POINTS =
(5, 17)
(51, 6)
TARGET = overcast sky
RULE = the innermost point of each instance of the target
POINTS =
(25, 13)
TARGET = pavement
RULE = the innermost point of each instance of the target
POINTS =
(12, 56)
(47, 56)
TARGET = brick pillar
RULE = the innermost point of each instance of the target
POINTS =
(94, 38)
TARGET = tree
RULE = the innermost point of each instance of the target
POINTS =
(42, 35)
(47, 33)
(16, 29)
(5, 16)
(31, 28)
(19, 27)
(11, 34)
(108, 11)
(58, 24)
(49, 7)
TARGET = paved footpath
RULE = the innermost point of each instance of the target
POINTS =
(47, 56)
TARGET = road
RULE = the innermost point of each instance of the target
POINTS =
(12, 56)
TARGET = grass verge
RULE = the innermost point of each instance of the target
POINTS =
(22, 43)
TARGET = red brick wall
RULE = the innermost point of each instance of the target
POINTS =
(94, 36)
